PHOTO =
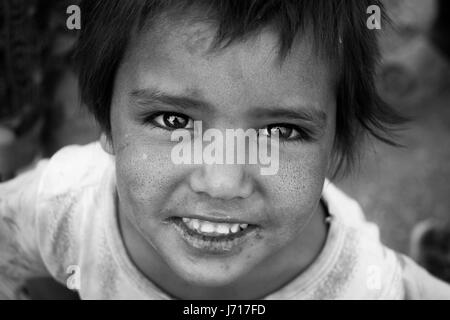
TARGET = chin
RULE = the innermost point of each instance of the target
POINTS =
(209, 275)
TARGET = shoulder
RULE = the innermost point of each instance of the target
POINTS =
(379, 272)
(74, 167)
(374, 269)
(347, 210)
(67, 201)
(420, 284)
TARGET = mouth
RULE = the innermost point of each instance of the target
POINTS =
(213, 237)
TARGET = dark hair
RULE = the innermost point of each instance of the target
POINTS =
(340, 36)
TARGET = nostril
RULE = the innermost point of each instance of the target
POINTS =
(222, 181)
(228, 192)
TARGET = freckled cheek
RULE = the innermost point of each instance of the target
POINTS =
(295, 191)
(146, 177)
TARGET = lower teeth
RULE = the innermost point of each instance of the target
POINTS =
(224, 245)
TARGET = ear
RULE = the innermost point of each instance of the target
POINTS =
(106, 143)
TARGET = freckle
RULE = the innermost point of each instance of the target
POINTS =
(123, 146)
(226, 267)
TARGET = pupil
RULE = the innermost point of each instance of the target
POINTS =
(282, 131)
(175, 121)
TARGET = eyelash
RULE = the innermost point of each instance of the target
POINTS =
(149, 119)
(303, 134)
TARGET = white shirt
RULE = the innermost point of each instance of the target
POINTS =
(59, 219)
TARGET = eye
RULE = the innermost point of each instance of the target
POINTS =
(172, 121)
(286, 132)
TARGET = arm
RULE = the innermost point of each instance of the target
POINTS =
(19, 254)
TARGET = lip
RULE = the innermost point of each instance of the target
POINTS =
(216, 219)
(214, 245)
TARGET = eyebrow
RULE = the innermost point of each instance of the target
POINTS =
(145, 97)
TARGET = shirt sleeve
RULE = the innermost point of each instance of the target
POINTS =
(19, 253)
(420, 284)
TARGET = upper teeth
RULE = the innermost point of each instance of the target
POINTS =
(211, 227)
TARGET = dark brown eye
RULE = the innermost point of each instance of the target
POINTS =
(285, 131)
(173, 121)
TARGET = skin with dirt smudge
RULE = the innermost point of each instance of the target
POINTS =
(245, 87)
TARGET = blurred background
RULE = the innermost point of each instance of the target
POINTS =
(404, 190)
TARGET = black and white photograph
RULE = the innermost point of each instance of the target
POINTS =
(224, 150)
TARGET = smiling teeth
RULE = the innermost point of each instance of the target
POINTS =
(214, 228)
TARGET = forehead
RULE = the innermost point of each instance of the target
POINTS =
(176, 56)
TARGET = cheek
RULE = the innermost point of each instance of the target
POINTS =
(296, 190)
(145, 175)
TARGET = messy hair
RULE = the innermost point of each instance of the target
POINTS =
(340, 36)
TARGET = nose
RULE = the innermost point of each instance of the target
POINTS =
(224, 181)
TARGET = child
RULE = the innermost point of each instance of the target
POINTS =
(119, 220)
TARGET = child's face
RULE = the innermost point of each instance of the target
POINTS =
(242, 86)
